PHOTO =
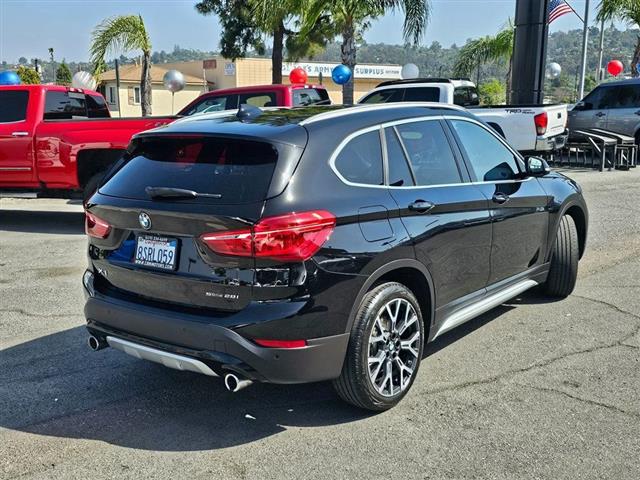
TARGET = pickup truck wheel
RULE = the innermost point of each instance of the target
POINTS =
(564, 261)
(385, 349)
(91, 186)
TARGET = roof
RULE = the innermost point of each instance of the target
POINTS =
(424, 80)
(626, 81)
(48, 87)
(133, 73)
(260, 88)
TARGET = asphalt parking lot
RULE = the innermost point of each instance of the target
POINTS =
(533, 389)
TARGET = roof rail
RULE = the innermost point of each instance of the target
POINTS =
(377, 106)
(421, 80)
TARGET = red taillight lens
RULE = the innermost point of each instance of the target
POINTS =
(291, 238)
(281, 343)
(95, 226)
(541, 120)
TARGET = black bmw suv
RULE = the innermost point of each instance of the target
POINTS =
(321, 243)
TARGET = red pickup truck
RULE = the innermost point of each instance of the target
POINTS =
(55, 138)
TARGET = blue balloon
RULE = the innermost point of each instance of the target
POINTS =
(9, 77)
(341, 74)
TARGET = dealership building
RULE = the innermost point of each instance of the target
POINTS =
(218, 72)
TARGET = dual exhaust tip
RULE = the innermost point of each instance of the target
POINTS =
(232, 382)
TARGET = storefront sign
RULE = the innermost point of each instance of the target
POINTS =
(361, 71)
(229, 68)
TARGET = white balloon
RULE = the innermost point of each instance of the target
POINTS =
(410, 70)
(83, 80)
(553, 70)
(173, 81)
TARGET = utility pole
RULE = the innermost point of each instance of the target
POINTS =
(599, 75)
(585, 40)
(53, 64)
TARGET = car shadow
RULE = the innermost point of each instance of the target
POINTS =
(30, 221)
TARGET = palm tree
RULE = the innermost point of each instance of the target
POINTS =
(352, 17)
(627, 11)
(494, 48)
(122, 34)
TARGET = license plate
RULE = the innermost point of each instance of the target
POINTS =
(158, 252)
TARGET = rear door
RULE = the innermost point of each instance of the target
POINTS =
(16, 138)
(157, 249)
(624, 112)
(592, 111)
(446, 216)
(519, 206)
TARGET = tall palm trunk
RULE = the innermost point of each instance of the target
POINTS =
(508, 79)
(348, 57)
(636, 60)
(276, 54)
(145, 84)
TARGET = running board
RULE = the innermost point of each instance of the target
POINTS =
(484, 305)
(171, 360)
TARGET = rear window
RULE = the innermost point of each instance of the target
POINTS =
(422, 94)
(213, 104)
(384, 96)
(262, 99)
(13, 105)
(310, 96)
(61, 105)
(97, 107)
(238, 170)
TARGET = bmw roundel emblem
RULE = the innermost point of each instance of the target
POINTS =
(145, 220)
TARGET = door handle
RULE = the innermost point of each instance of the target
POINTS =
(500, 198)
(421, 206)
(600, 114)
(20, 134)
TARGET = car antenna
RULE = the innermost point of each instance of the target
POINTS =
(248, 112)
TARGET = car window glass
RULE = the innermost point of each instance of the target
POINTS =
(627, 96)
(490, 159)
(608, 98)
(64, 105)
(385, 96)
(461, 96)
(429, 152)
(422, 94)
(213, 104)
(13, 105)
(399, 173)
(360, 161)
(259, 99)
(97, 107)
(592, 100)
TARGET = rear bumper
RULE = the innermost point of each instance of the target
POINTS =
(219, 348)
(549, 144)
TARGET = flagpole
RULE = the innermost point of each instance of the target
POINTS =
(599, 74)
(585, 39)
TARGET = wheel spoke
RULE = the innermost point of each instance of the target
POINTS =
(408, 344)
(404, 368)
(407, 323)
(379, 360)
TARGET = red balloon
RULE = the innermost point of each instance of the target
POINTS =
(298, 75)
(615, 67)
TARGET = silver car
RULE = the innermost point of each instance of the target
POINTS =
(613, 106)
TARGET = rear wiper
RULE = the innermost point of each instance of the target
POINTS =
(171, 192)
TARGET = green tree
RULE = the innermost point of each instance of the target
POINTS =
(63, 74)
(627, 11)
(28, 75)
(123, 34)
(496, 48)
(352, 17)
(22, 61)
(491, 92)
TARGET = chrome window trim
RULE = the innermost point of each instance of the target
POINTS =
(393, 123)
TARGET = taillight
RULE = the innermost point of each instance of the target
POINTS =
(95, 226)
(290, 238)
(281, 343)
(541, 120)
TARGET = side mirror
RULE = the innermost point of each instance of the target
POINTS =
(580, 106)
(537, 166)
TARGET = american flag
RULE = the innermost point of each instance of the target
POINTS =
(557, 8)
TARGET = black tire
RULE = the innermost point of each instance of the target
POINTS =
(564, 261)
(91, 186)
(354, 384)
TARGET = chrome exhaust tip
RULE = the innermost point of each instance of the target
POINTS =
(234, 383)
(96, 344)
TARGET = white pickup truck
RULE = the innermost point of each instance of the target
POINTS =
(530, 129)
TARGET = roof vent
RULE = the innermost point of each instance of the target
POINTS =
(248, 112)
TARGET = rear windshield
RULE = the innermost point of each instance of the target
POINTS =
(239, 171)
(13, 105)
(303, 97)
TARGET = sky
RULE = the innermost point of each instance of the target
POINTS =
(29, 27)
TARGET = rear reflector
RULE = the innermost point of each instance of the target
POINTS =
(541, 120)
(292, 237)
(281, 343)
(95, 226)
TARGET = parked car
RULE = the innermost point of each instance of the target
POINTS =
(324, 243)
(258, 96)
(530, 129)
(60, 139)
(613, 106)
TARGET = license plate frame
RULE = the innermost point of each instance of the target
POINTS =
(162, 247)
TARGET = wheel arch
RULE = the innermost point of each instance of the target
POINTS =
(409, 272)
(579, 217)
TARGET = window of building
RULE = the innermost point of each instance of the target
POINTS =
(111, 95)
(360, 161)
(136, 95)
